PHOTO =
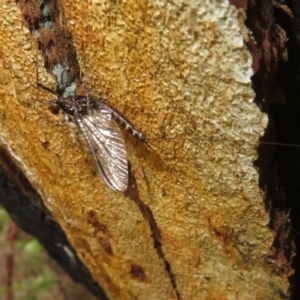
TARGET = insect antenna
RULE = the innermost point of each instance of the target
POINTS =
(37, 79)
(213, 140)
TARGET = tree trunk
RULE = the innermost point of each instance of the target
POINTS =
(192, 223)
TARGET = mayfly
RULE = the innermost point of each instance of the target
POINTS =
(98, 122)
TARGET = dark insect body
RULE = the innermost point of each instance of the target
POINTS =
(98, 122)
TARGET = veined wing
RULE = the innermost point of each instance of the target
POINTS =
(107, 144)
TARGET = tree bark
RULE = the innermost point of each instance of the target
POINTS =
(192, 223)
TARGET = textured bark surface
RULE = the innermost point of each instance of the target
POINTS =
(196, 229)
(26, 209)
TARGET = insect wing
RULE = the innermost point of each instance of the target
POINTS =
(107, 144)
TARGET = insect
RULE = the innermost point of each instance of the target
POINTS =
(98, 122)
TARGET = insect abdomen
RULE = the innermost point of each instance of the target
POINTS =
(126, 124)
(129, 127)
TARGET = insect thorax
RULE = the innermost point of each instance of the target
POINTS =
(74, 104)
(82, 105)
